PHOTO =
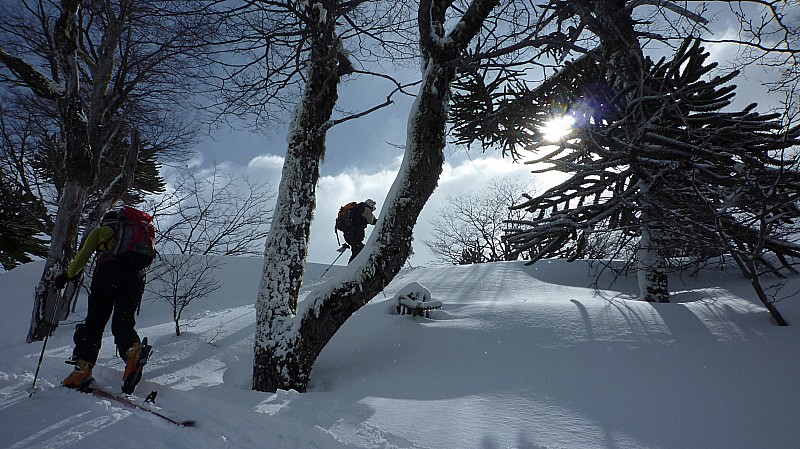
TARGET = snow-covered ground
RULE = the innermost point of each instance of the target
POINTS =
(518, 357)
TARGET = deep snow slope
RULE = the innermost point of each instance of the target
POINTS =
(519, 357)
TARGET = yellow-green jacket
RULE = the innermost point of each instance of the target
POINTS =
(101, 239)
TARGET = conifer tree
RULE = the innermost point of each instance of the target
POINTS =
(93, 74)
(18, 238)
(670, 149)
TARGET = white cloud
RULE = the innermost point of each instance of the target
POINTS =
(267, 162)
(459, 177)
(460, 174)
(751, 79)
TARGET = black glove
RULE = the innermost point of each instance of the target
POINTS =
(60, 281)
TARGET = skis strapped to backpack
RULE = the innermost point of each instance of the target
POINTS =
(135, 237)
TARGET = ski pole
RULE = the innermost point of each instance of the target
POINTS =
(329, 266)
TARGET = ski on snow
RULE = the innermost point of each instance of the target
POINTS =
(134, 403)
(126, 399)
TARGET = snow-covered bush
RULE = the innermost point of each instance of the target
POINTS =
(414, 299)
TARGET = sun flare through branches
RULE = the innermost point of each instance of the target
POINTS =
(557, 128)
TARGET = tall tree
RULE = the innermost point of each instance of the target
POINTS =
(612, 22)
(287, 243)
(64, 90)
(98, 70)
(614, 25)
(306, 49)
(271, 54)
(656, 161)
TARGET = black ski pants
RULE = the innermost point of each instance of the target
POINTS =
(355, 238)
(115, 290)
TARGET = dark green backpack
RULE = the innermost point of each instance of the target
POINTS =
(346, 217)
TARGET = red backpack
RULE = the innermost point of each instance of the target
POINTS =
(136, 239)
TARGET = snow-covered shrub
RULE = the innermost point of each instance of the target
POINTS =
(414, 299)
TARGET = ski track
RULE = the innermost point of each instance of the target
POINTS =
(75, 432)
(10, 396)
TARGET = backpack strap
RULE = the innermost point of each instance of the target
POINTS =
(107, 249)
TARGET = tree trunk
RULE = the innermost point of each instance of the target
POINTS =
(286, 247)
(751, 272)
(88, 133)
(653, 279)
(287, 349)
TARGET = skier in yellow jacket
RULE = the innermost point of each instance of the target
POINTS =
(116, 289)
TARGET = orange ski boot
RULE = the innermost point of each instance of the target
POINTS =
(81, 377)
(135, 359)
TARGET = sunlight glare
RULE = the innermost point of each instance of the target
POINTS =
(557, 128)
